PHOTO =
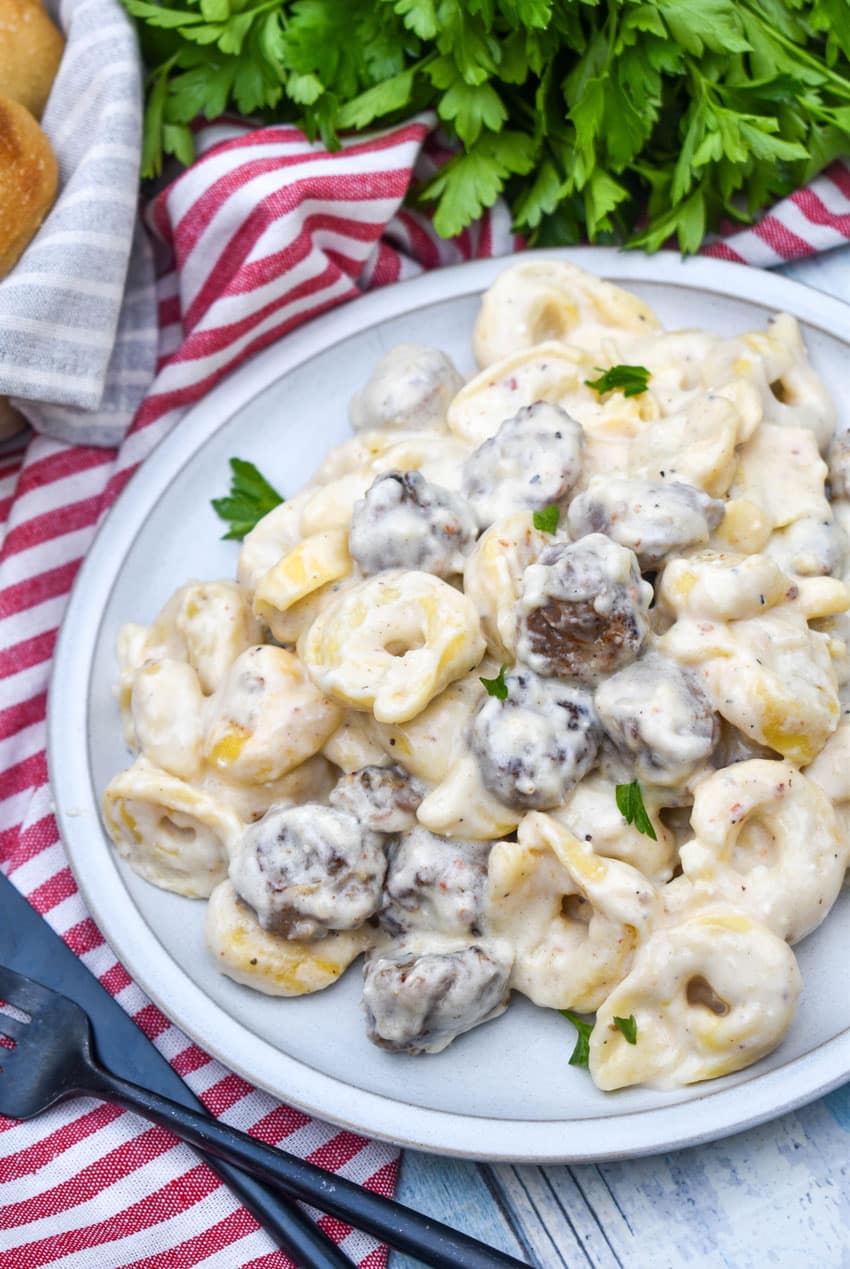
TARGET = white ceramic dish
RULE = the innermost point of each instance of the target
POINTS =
(505, 1090)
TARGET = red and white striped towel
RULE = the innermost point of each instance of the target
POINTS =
(264, 232)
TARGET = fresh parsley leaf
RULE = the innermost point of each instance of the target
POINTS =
(177, 139)
(497, 687)
(471, 108)
(581, 1052)
(154, 120)
(547, 519)
(628, 1026)
(382, 99)
(474, 180)
(420, 16)
(631, 807)
(632, 380)
(699, 24)
(160, 15)
(307, 89)
(251, 497)
(603, 195)
(541, 198)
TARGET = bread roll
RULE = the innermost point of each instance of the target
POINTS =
(11, 421)
(28, 179)
(30, 52)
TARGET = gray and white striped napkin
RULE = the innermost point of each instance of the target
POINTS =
(78, 330)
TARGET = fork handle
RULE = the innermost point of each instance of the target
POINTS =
(299, 1237)
(403, 1228)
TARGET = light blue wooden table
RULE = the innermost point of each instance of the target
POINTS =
(777, 1197)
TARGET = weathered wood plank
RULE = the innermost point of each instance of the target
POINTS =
(590, 1214)
(558, 1222)
(776, 1196)
(458, 1193)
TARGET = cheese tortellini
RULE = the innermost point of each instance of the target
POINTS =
(768, 840)
(174, 834)
(534, 687)
(574, 917)
(267, 717)
(392, 643)
(547, 299)
(708, 996)
(744, 626)
(246, 952)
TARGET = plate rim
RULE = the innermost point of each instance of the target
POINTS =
(704, 1117)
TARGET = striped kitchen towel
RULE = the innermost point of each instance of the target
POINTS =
(78, 311)
(265, 231)
(286, 231)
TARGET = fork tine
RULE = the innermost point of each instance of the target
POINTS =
(12, 1027)
(50, 1056)
(23, 992)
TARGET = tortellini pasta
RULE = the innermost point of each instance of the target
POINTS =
(696, 446)
(574, 917)
(204, 624)
(708, 996)
(775, 362)
(462, 805)
(392, 643)
(168, 716)
(744, 626)
(311, 781)
(781, 471)
(174, 834)
(767, 839)
(591, 814)
(277, 966)
(427, 745)
(493, 578)
(272, 538)
(351, 747)
(267, 717)
(831, 771)
(540, 300)
(536, 686)
(308, 568)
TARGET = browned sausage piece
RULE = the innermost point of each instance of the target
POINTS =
(583, 610)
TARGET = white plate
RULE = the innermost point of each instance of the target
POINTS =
(505, 1090)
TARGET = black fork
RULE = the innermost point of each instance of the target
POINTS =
(52, 1059)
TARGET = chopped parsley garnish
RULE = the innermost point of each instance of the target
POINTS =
(250, 498)
(631, 807)
(628, 1026)
(497, 687)
(547, 519)
(632, 380)
(581, 1052)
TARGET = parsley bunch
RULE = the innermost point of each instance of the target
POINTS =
(631, 120)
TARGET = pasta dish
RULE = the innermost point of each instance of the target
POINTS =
(536, 687)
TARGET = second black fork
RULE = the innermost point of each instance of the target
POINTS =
(53, 1059)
